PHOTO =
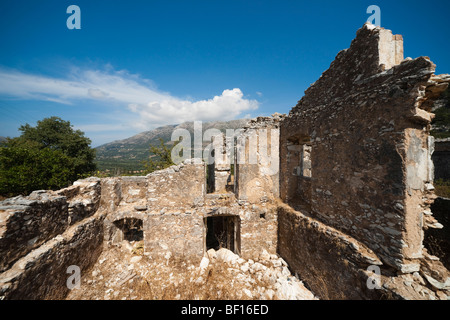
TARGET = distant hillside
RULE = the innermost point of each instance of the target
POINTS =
(128, 154)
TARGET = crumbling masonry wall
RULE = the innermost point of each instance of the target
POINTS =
(165, 202)
(44, 234)
(333, 264)
(173, 206)
(257, 161)
(367, 170)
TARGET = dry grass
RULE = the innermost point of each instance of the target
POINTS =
(138, 249)
(442, 188)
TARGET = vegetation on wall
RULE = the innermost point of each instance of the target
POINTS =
(441, 123)
(441, 130)
(160, 157)
(442, 188)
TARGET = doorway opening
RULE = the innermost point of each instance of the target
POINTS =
(131, 229)
(223, 232)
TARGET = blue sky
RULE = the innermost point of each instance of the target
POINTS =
(136, 65)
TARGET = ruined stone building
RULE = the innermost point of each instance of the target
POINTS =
(349, 198)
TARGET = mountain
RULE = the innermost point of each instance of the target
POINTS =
(128, 154)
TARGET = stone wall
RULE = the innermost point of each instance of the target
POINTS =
(258, 230)
(45, 233)
(164, 201)
(42, 274)
(180, 234)
(332, 264)
(28, 222)
(365, 126)
(83, 198)
(336, 266)
(257, 160)
(178, 186)
(220, 164)
(183, 234)
(173, 207)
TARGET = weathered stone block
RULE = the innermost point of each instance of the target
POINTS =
(167, 188)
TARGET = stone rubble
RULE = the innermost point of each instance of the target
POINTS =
(270, 268)
(265, 278)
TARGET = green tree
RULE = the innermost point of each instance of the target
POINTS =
(57, 134)
(160, 157)
(51, 155)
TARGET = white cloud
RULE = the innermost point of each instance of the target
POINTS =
(134, 93)
(229, 105)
